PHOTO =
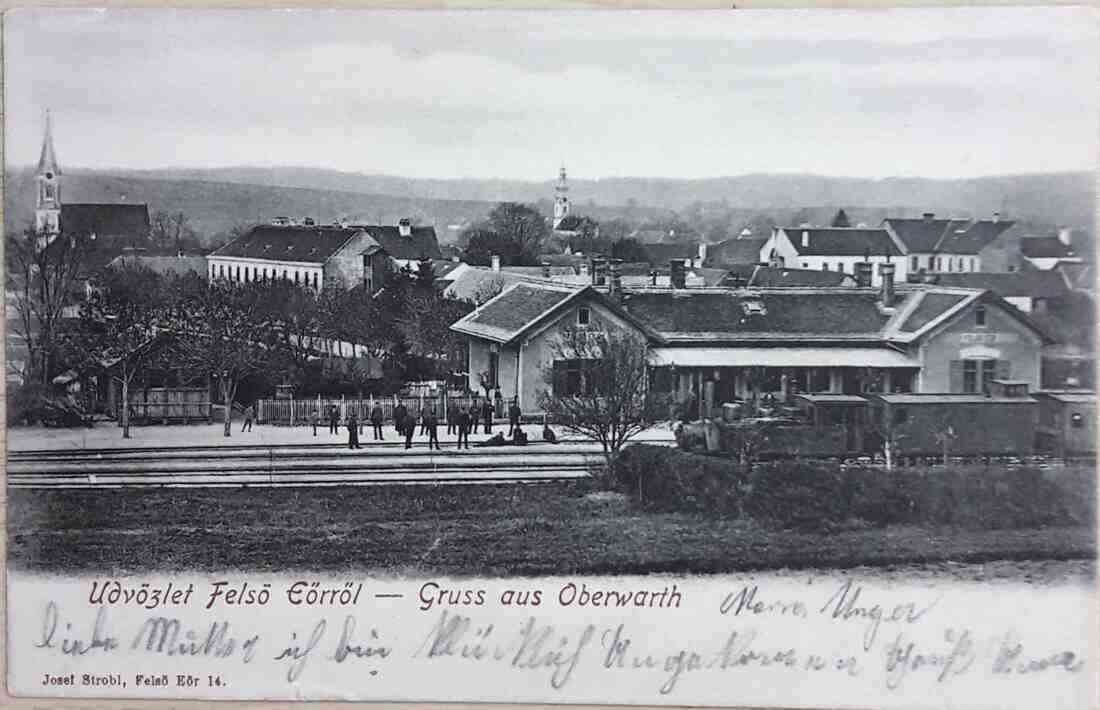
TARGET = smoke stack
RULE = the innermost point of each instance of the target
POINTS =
(887, 271)
(996, 217)
(677, 273)
(864, 269)
(614, 280)
(1065, 235)
(702, 254)
(404, 226)
(929, 216)
(495, 261)
(805, 239)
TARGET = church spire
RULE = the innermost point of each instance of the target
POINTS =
(47, 203)
(561, 198)
(47, 161)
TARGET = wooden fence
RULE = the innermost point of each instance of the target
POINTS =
(169, 404)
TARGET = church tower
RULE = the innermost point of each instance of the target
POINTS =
(561, 198)
(47, 206)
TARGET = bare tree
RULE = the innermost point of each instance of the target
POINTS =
(119, 324)
(598, 387)
(223, 336)
(171, 230)
(43, 279)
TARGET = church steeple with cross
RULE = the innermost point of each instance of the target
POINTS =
(47, 206)
(561, 198)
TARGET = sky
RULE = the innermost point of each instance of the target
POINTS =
(915, 92)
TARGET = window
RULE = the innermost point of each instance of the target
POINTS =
(494, 369)
(805, 265)
(979, 316)
(972, 264)
(584, 315)
(914, 264)
(571, 377)
(221, 271)
(970, 375)
(824, 266)
(314, 279)
(840, 266)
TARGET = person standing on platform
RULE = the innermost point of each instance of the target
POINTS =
(475, 413)
(410, 430)
(513, 417)
(452, 420)
(463, 424)
(353, 431)
(249, 415)
(376, 418)
(314, 419)
(423, 421)
(333, 419)
(399, 414)
(431, 423)
(487, 415)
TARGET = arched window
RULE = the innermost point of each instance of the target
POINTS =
(297, 277)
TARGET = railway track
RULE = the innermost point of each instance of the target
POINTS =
(305, 465)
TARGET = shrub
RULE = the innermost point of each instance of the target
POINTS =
(821, 496)
(661, 478)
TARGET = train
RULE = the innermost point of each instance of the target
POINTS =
(1005, 422)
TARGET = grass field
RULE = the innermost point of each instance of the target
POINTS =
(551, 528)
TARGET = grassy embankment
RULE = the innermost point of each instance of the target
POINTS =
(553, 528)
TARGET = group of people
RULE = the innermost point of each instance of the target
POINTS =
(461, 421)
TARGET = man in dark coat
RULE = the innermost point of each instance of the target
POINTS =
(333, 419)
(353, 431)
(513, 417)
(475, 413)
(376, 418)
(487, 415)
(463, 424)
(431, 423)
(452, 420)
(399, 414)
(410, 429)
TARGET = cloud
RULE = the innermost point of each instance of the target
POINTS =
(512, 94)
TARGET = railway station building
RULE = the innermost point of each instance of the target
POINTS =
(710, 346)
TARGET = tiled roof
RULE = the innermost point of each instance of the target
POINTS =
(420, 243)
(574, 223)
(308, 244)
(1079, 276)
(735, 251)
(816, 313)
(1030, 284)
(766, 276)
(837, 241)
(515, 309)
(474, 282)
(664, 253)
(930, 307)
(1045, 248)
(106, 220)
(971, 237)
(918, 235)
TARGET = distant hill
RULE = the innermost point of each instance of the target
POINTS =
(1054, 197)
(218, 199)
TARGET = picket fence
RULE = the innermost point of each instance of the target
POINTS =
(293, 412)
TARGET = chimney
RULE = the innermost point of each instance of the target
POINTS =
(404, 226)
(996, 217)
(805, 239)
(677, 273)
(702, 254)
(928, 216)
(864, 269)
(1065, 235)
(495, 261)
(614, 280)
(887, 271)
